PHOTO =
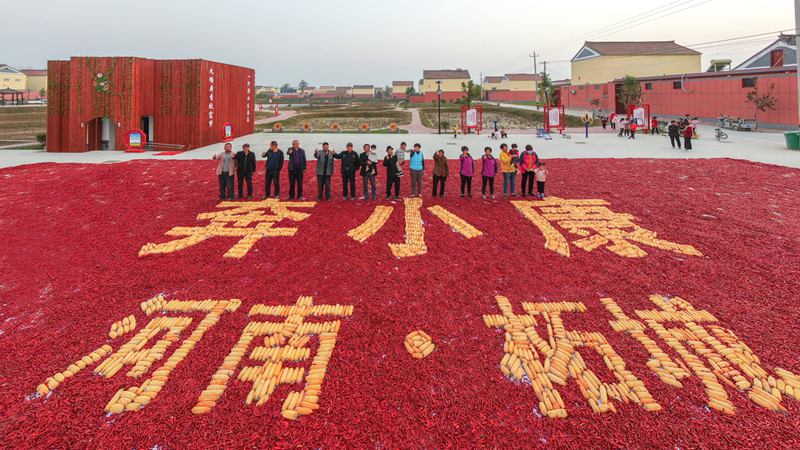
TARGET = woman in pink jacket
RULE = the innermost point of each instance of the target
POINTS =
(466, 171)
(489, 168)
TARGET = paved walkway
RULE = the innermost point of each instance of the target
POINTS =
(761, 147)
(416, 125)
(282, 115)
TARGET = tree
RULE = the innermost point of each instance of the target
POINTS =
(762, 101)
(631, 91)
(545, 90)
(595, 102)
(471, 91)
(302, 85)
(42, 93)
(286, 89)
(410, 91)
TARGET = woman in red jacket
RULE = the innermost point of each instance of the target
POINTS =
(688, 133)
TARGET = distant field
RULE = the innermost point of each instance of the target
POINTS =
(21, 124)
(348, 118)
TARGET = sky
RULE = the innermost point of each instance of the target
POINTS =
(350, 42)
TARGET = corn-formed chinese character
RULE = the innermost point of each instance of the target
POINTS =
(285, 344)
(140, 357)
(246, 220)
(698, 337)
(414, 244)
(596, 225)
(554, 359)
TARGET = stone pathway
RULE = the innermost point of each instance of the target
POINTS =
(416, 125)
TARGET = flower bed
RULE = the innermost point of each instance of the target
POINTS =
(306, 337)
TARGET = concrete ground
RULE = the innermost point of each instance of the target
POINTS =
(753, 146)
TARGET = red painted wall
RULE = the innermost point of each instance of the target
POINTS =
(174, 92)
(703, 95)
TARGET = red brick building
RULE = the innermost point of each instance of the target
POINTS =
(94, 101)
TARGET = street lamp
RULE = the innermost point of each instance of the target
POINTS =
(439, 102)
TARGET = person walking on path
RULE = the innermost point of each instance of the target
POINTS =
(369, 169)
(245, 167)
(612, 119)
(416, 162)
(688, 134)
(324, 170)
(509, 170)
(274, 163)
(528, 163)
(297, 166)
(392, 177)
(466, 170)
(226, 170)
(350, 164)
(440, 172)
(674, 132)
(489, 168)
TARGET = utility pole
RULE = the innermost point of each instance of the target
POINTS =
(534, 55)
(547, 89)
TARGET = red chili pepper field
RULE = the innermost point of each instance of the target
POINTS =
(643, 304)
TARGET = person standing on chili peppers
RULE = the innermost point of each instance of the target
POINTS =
(416, 162)
(350, 164)
(440, 172)
(369, 169)
(392, 170)
(528, 163)
(245, 167)
(467, 170)
(273, 170)
(226, 170)
(297, 166)
(489, 168)
(324, 171)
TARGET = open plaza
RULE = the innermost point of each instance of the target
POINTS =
(599, 250)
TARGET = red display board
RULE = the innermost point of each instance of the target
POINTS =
(642, 115)
(555, 118)
(135, 141)
(471, 118)
(227, 132)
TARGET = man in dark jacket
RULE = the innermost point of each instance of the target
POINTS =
(350, 164)
(369, 168)
(274, 164)
(324, 170)
(674, 132)
(297, 166)
(245, 167)
(392, 178)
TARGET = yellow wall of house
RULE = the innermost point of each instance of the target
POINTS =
(603, 69)
(447, 85)
(13, 81)
(399, 89)
(369, 91)
(490, 86)
(36, 83)
(520, 85)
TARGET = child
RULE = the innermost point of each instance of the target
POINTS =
(467, 170)
(633, 127)
(489, 168)
(541, 177)
(654, 126)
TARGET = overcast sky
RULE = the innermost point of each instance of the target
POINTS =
(345, 42)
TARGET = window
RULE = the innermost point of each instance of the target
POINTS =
(677, 85)
(648, 86)
(748, 82)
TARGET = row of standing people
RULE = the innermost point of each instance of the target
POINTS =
(242, 165)
(685, 128)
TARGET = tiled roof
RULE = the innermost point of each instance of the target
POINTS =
(639, 48)
(402, 83)
(492, 79)
(363, 86)
(522, 76)
(35, 72)
(445, 74)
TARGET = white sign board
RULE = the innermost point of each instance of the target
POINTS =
(638, 116)
(472, 118)
(554, 117)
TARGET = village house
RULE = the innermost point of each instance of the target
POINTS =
(601, 62)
